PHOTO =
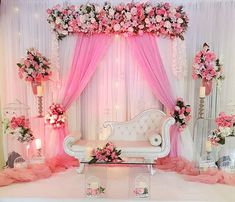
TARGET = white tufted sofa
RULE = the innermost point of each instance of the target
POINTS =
(130, 137)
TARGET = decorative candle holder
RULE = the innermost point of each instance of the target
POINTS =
(40, 106)
(201, 107)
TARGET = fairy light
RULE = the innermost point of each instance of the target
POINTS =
(116, 84)
(16, 9)
(36, 15)
(19, 34)
(116, 107)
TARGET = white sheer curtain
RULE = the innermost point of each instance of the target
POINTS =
(23, 25)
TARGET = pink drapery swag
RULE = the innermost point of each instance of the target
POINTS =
(146, 52)
(88, 52)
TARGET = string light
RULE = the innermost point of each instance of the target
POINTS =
(19, 34)
(36, 15)
(116, 107)
(116, 84)
(16, 9)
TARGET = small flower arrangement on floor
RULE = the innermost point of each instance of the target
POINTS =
(19, 128)
(95, 191)
(207, 67)
(109, 153)
(141, 192)
(225, 127)
(56, 116)
(181, 114)
(35, 67)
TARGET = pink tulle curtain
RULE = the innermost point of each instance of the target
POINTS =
(88, 52)
(147, 54)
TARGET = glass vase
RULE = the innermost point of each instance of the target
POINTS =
(226, 160)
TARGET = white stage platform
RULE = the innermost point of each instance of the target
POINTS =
(68, 187)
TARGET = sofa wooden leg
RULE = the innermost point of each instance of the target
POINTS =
(80, 168)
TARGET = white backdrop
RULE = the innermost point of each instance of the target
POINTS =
(117, 90)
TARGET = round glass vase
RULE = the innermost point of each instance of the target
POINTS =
(226, 160)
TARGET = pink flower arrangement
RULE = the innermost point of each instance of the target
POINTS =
(225, 127)
(19, 127)
(56, 116)
(181, 114)
(141, 192)
(108, 153)
(127, 19)
(94, 192)
(206, 66)
(35, 67)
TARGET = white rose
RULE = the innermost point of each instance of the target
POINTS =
(225, 131)
(167, 24)
(58, 21)
(82, 18)
(158, 18)
(116, 27)
(92, 15)
(141, 26)
(65, 32)
(111, 12)
(130, 29)
(93, 20)
(65, 26)
(148, 9)
(128, 15)
(98, 8)
(173, 10)
(147, 21)
(134, 11)
(180, 21)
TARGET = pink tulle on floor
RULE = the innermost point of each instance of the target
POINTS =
(191, 173)
(37, 171)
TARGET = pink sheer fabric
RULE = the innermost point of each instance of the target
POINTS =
(37, 171)
(88, 52)
(191, 173)
(146, 52)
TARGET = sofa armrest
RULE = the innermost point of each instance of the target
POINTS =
(166, 146)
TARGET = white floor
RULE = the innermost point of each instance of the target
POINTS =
(69, 186)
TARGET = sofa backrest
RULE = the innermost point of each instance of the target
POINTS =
(136, 128)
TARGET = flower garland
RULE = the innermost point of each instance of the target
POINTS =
(35, 67)
(225, 127)
(127, 19)
(206, 66)
(181, 114)
(108, 153)
(56, 116)
(19, 128)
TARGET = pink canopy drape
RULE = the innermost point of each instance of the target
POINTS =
(88, 52)
(147, 54)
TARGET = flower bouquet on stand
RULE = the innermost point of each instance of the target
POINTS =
(34, 68)
(207, 67)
